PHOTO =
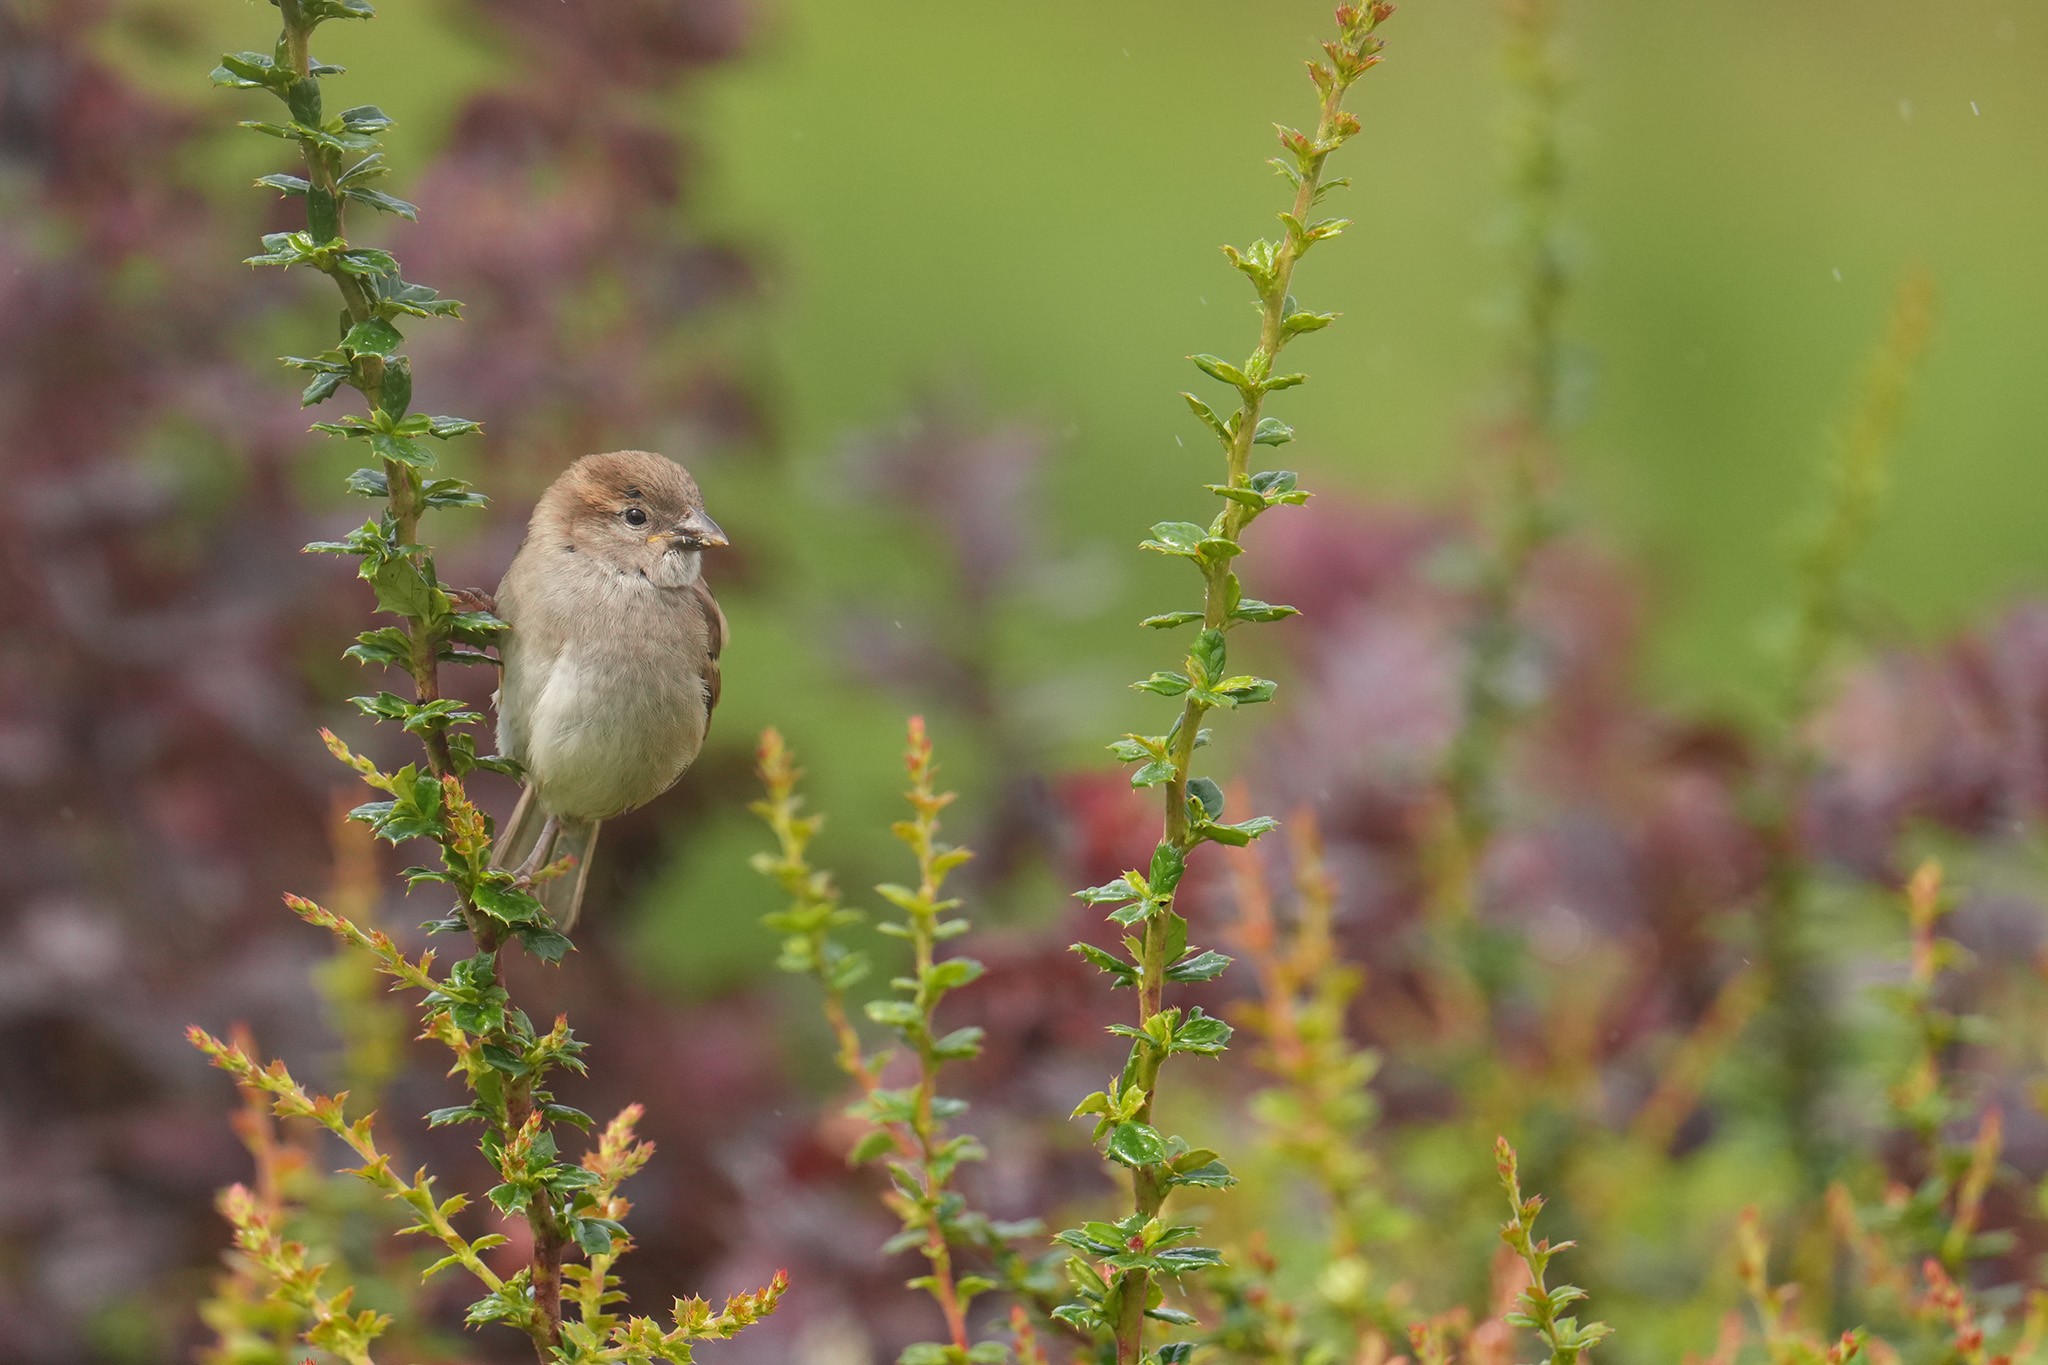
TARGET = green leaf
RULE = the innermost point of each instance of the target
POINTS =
(1199, 1032)
(1240, 834)
(385, 645)
(1136, 1144)
(318, 10)
(394, 395)
(476, 627)
(1109, 892)
(1211, 1175)
(960, 1044)
(451, 493)
(323, 215)
(1251, 609)
(1168, 865)
(321, 389)
(369, 168)
(497, 1307)
(364, 260)
(509, 1198)
(395, 295)
(1175, 538)
(870, 1147)
(302, 97)
(501, 1058)
(1167, 620)
(547, 944)
(461, 1113)
(365, 118)
(592, 1235)
(1116, 967)
(403, 590)
(285, 184)
(507, 903)
(1206, 965)
(1210, 796)
(1246, 690)
(1272, 432)
(250, 71)
(1258, 263)
(384, 203)
(1217, 368)
(1153, 773)
(894, 1013)
(443, 428)
(1243, 495)
(402, 449)
(1208, 416)
(953, 973)
(374, 336)
(1180, 1259)
(1176, 936)
(1165, 684)
(1206, 657)
(327, 362)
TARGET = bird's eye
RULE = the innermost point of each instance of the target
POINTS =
(635, 517)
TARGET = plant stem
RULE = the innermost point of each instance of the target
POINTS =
(406, 503)
(1356, 54)
(924, 1154)
(923, 921)
(1520, 521)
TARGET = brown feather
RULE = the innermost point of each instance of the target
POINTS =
(613, 650)
(714, 618)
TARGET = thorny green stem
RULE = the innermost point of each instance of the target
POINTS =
(1565, 1337)
(323, 169)
(921, 835)
(1333, 125)
(501, 1057)
(925, 1153)
(323, 163)
(1216, 602)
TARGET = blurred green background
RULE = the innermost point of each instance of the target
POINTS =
(1027, 201)
(1021, 205)
(1014, 212)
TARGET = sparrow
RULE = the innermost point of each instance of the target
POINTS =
(611, 663)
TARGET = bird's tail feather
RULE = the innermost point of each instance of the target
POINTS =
(515, 841)
(561, 896)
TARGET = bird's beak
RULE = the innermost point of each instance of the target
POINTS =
(697, 532)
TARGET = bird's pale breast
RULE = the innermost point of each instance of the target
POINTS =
(603, 698)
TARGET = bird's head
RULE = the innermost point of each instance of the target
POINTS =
(636, 511)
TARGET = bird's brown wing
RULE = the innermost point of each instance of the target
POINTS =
(715, 629)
